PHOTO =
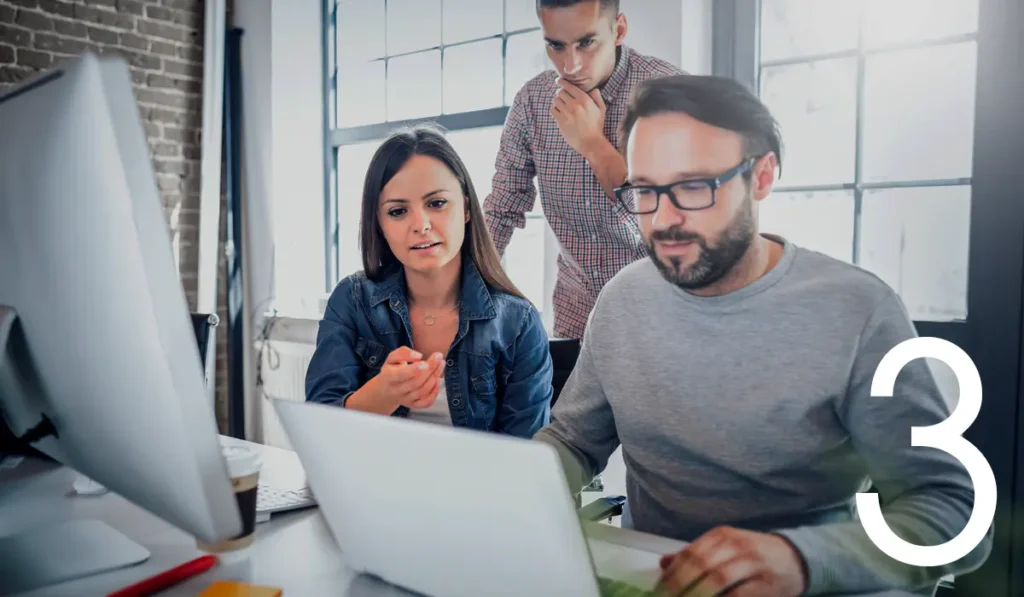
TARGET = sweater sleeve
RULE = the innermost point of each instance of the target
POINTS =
(926, 494)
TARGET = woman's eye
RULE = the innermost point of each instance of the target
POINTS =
(396, 212)
(437, 203)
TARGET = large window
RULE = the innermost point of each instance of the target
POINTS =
(876, 102)
(456, 62)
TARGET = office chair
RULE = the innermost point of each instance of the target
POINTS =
(205, 327)
(564, 352)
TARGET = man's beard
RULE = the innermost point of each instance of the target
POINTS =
(713, 262)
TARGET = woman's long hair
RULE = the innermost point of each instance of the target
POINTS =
(389, 158)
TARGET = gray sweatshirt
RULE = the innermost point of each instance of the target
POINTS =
(754, 409)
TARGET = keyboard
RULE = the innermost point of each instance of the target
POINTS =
(270, 500)
(617, 588)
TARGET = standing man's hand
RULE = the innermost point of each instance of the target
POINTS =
(728, 562)
(580, 116)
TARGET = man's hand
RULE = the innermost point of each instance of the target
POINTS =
(580, 117)
(728, 562)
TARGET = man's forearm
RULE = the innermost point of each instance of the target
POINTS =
(576, 474)
(608, 165)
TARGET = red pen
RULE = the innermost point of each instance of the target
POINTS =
(167, 578)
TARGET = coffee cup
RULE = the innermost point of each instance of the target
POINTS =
(244, 469)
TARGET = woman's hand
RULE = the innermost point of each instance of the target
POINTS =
(405, 379)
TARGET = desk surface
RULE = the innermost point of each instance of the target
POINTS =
(294, 551)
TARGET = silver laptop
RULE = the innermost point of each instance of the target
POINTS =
(444, 511)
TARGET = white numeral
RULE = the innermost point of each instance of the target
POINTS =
(946, 436)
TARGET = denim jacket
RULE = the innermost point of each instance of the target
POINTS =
(497, 372)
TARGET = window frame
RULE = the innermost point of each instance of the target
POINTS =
(337, 137)
(993, 332)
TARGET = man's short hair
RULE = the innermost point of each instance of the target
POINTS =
(719, 101)
(607, 5)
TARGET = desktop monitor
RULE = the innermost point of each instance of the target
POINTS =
(99, 367)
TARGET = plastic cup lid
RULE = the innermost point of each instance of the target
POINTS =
(241, 461)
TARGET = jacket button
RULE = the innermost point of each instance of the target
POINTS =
(456, 401)
(373, 360)
(450, 363)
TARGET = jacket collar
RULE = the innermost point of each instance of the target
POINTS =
(474, 295)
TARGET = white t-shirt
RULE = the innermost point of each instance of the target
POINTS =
(437, 412)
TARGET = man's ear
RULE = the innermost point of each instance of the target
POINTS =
(764, 175)
(621, 26)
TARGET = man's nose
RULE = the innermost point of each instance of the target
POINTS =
(573, 63)
(667, 215)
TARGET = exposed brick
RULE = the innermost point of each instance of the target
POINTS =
(130, 7)
(6, 14)
(6, 54)
(160, 13)
(15, 36)
(163, 48)
(184, 69)
(171, 100)
(134, 42)
(161, 30)
(168, 182)
(171, 167)
(35, 21)
(142, 60)
(152, 129)
(138, 76)
(191, 152)
(166, 150)
(60, 45)
(14, 74)
(177, 134)
(107, 3)
(183, 5)
(70, 28)
(103, 36)
(62, 8)
(33, 59)
(104, 17)
(190, 53)
(171, 117)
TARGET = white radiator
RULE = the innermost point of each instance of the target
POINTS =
(284, 362)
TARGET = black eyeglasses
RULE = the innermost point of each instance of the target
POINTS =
(692, 194)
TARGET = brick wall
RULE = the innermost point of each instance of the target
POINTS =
(162, 40)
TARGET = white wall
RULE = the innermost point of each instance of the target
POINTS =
(298, 162)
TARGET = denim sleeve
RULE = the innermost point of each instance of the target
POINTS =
(526, 406)
(333, 373)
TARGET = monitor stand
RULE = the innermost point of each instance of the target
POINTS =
(52, 553)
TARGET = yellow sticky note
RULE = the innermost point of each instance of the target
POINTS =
(230, 588)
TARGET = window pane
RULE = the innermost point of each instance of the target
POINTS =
(816, 106)
(413, 25)
(360, 30)
(792, 28)
(525, 58)
(361, 93)
(472, 76)
(478, 148)
(917, 241)
(471, 19)
(891, 22)
(525, 258)
(818, 221)
(353, 160)
(520, 14)
(414, 86)
(919, 113)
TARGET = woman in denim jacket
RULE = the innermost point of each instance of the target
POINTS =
(432, 329)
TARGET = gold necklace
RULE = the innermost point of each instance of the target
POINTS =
(429, 320)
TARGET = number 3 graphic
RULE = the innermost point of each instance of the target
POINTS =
(946, 436)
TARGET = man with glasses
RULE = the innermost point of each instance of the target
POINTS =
(562, 130)
(734, 368)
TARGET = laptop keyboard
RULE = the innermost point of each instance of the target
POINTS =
(617, 588)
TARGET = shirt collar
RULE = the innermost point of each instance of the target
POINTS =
(474, 294)
(610, 91)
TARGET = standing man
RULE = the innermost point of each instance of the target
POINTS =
(562, 128)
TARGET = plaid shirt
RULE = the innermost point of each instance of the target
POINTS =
(596, 235)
